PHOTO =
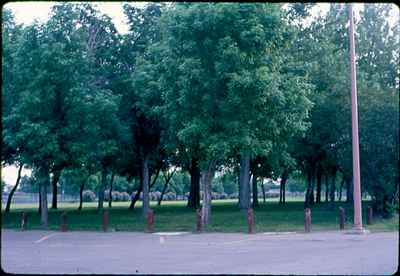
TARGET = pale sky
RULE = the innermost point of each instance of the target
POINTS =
(26, 12)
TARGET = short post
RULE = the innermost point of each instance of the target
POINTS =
(370, 215)
(341, 218)
(199, 221)
(150, 221)
(64, 226)
(105, 220)
(307, 220)
(24, 221)
(250, 220)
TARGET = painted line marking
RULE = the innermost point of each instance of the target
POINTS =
(170, 233)
(45, 237)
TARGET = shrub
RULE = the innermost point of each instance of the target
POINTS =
(170, 196)
(153, 196)
(124, 196)
(233, 196)
(106, 195)
(88, 196)
(157, 195)
(116, 196)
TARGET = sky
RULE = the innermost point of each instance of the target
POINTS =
(26, 12)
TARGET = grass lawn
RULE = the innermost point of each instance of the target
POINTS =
(174, 216)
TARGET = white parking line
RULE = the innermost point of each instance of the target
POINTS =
(45, 237)
(170, 233)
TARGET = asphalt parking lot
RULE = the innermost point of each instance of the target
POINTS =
(50, 252)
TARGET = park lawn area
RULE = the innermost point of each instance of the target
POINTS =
(175, 216)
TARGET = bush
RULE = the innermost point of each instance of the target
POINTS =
(88, 196)
(233, 196)
(170, 196)
(154, 195)
(124, 196)
(106, 195)
(116, 196)
(157, 195)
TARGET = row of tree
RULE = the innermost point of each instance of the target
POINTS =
(240, 87)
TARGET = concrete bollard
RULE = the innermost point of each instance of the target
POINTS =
(64, 225)
(199, 221)
(307, 220)
(150, 221)
(250, 220)
(24, 221)
(370, 215)
(106, 219)
(341, 218)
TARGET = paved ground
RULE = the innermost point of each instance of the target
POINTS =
(263, 253)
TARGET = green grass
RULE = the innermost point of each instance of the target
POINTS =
(174, 216)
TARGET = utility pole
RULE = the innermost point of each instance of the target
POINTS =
(354, 129)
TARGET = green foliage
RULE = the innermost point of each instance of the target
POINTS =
(3, 186)
(226, 182)
(207, 81)
(28, 184)
(218, 85)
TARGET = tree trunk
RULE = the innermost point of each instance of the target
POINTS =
(137, 195)
(309, 195)
(349, 190)
(81, 194)
(206, 179)
(326, 187)
(43, 183)
(263, 190)
(312, 200)
(110, 192)
(284, 179)
(319, 184)
(7, 210)
(255, 192)
(102, 188)
(194, 194)
(167, 179)
(40, 201)
(162, 193)
(56, 177)
(332, 188)
(244, 192)
(341, 189)
(146, 187)
(155, 178)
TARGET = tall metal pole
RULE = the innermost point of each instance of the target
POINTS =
(354, 130)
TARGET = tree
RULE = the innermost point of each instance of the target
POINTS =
(10, 35)
(217, 84)
(145, 128)
(53, 77)
(319, 53)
